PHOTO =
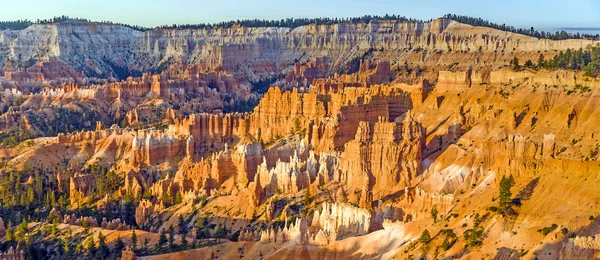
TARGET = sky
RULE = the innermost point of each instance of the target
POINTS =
(541, 14)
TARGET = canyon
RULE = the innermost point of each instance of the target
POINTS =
(383, 139)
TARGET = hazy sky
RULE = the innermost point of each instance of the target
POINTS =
(519, 13)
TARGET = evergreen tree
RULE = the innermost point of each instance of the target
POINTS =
(178, 198)
(446, 244)
(425, 238)
(162, 239)
(541, 63)
(184, 242)
(171, 236)
(119, 246)
(515, 63)
(504, 199)
(181, 224)
(434, 213)
(473, 236)
(54, 228)
(133, 239)
(10, 235)
(220, 232)
(90, 245)
(103, 250)
(21, 231)
(145, 245)
(66, 248)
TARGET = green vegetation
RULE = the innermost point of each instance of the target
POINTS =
(65, 121)
(562, 35)
(504, 200)
(587, 60)
(15, 25)
(425, 238)
(449, 239)
(434, 213)
(474, 235)
(289, 22)
(546, 230)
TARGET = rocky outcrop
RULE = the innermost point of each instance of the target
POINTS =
(150, 147)
(128, 254)
(297, 232)
(81, 221)
(145, 209)
(342, 220)
(80, 186)
(585, 247)
(383, 155)
(115, 224)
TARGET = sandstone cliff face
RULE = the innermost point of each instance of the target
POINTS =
(383, 155)
(81, 186)
(259, 51)
(332, 223)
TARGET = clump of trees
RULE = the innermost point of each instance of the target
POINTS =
(586, 60)
(473, 236)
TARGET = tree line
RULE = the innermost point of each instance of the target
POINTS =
(587, 60)
(296, 22)
(562, 35)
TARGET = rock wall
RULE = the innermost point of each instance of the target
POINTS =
(259, 51)
(383, 155)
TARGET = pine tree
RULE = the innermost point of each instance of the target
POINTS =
(54, 228)
(434, 213)
(446, 244)
(66, 248)
(184, 242)
(178, 198)
(425, 237)
(103, 250)
(145, 245)
(21, 231)
(515, 63)
(171, 236)
(505, 194)
(10, 235)
(133, 239)
(90, 245)
(181, 224)
(162, 239)
(541, 63)
(307, 197)
(119, 246)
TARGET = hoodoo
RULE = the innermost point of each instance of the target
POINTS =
(378, 137)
